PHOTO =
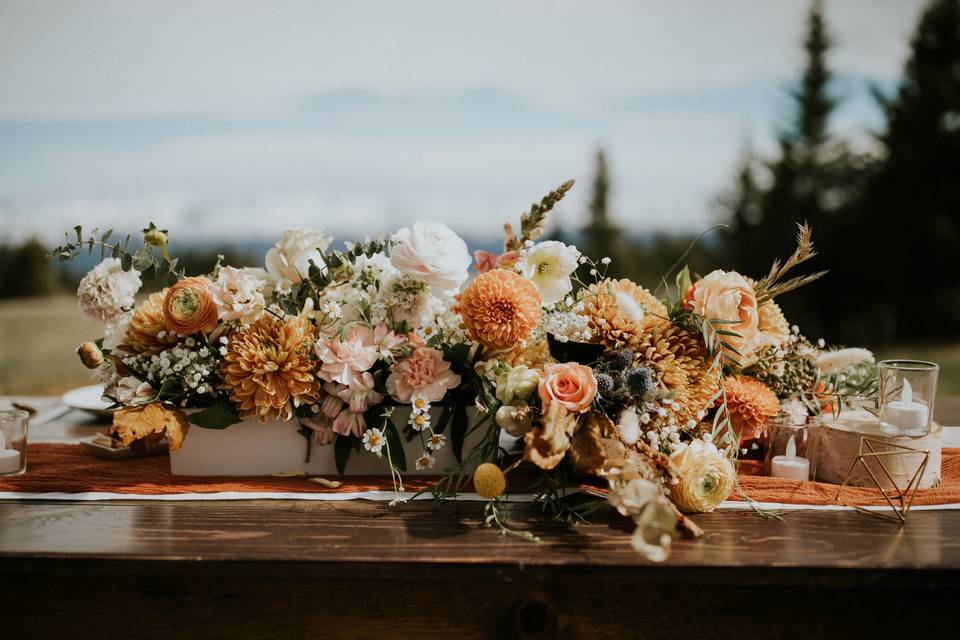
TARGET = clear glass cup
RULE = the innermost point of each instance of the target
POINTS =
(907, 391)
(792, 447)
(13, 442)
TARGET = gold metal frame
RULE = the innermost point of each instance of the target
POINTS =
(899, 502)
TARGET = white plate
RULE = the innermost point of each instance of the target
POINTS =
(88, 399)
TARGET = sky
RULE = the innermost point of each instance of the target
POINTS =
(231, 121)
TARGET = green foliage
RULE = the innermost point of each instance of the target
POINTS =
(145, 259)
(220, 415)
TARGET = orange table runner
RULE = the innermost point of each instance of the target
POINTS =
(64, 468)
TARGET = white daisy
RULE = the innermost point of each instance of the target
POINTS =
(426, 461)
(419, 421)
(419, 403)
(373, 440)
(436, 441)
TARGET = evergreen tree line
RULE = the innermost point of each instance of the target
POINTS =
(886, 220)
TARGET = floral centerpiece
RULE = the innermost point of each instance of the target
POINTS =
(598, 378)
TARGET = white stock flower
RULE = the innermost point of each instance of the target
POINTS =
(548, 266)
(290, 259)
(238, 295)
(107, 291)
(433, 253)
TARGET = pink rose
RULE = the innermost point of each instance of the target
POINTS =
(424, 372)
(343, 360)
(570, 384)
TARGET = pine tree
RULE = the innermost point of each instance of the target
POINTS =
(909, 220)
(601, 236)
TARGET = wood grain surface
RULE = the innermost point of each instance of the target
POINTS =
(363, 569)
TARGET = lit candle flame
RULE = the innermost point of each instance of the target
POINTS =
(791, 448)
(906, 396)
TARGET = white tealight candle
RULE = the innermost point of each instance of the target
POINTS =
(790, 466)
(9, 461)
(905, 415)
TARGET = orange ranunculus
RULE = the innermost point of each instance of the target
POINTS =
(570, 384)
(189, 307)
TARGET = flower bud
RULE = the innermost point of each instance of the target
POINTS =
(90, 355)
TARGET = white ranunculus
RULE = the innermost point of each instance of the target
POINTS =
(548, 266)
(238, 295)
(432, 252)
(107, 291)
(289, 260)
(706, 477)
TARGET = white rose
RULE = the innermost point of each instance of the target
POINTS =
(432, 252)
(548, 266)
(238, 295)
(290, 259)
(107, 291)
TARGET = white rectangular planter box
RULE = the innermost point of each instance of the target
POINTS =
(249, 448)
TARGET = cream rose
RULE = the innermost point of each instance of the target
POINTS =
(728, 296)
(570, 384)
(289, 260)
(706, 477)
(432, 252)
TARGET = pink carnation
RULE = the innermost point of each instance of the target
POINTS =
(344, 360)
(424, 372)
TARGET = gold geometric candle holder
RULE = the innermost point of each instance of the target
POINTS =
(899, 502)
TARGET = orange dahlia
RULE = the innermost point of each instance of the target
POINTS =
(269, 367)
(619, 311)
(500, 308)
(682, 365)
(189, 306)
(750, 404)
(147, 331)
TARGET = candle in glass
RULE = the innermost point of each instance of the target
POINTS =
(9, 458)
(790, 465)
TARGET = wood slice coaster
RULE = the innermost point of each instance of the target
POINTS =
(839, 444)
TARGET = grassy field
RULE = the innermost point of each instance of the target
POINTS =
(39, 336)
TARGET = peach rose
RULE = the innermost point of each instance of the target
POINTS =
(570, 384)
(727, 295)
(189, 307)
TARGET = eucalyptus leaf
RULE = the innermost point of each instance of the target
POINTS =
(220, 415)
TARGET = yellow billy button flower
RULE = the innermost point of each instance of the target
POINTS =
(489, 481)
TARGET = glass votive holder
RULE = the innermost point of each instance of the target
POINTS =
(907, 391)
(792, 447)
(13, 442)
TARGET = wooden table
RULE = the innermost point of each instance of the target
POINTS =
(364, 569)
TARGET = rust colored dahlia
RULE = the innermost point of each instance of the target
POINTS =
(500, 308)
(269, 368)
(619, 311)
(750, 404)
(680, 363)
(147, 331)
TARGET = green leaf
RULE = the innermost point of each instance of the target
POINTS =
(683, 281)
(220, 415)
(143, 259)
(79, 231)
(341, 452)
(458, 430)
(396, 446)
(444, 419)
(126, 262)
